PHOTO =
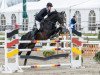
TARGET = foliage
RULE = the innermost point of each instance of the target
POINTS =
(89, 34)
(48, 53)
(77, 58)
(97, 57)
(99, 35)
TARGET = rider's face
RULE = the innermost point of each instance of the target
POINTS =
(49, 8)
(74, 17)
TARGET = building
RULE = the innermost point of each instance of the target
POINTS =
(87, 12)
(88, 15)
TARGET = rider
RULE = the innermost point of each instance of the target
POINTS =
(39, 17)
(45, 11)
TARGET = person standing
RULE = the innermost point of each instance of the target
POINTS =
(72, 26)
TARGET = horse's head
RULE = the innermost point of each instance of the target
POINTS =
(57, 17)
(61, 18)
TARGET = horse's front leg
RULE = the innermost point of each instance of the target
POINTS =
(27, 54)
(58, 30)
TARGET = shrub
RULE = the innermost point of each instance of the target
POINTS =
(97, 57)
(77, 58)
(99, 35)
(48, 53)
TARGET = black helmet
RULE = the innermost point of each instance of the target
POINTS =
(49, 4)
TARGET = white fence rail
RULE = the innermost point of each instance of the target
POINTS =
(2, 39)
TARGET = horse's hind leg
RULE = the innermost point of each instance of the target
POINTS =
(20, 53)
(19, 47)
(22, 46)
(27, 54)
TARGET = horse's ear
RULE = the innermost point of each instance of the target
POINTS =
(55, 10)
(35, 13)
(63, 12)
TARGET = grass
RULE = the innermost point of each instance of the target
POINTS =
(89, 34)
(92, 39)
(85, 34)
(1, 33)
(2, 39)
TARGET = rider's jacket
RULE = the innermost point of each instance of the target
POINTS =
(72, 23)
(40, 16)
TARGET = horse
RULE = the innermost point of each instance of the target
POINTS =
(47, 29)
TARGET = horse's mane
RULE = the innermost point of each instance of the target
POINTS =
(52, 13)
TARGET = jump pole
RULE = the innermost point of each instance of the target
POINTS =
(9, 65)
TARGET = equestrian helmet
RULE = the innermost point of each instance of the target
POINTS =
(49, 4)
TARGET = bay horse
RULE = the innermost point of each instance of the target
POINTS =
(47, 29)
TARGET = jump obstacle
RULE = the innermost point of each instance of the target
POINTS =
(13, 67)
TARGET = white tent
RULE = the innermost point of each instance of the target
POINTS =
(3, 5)
(37, 5)
(88, 4)
(56, 4)
(18, 7)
